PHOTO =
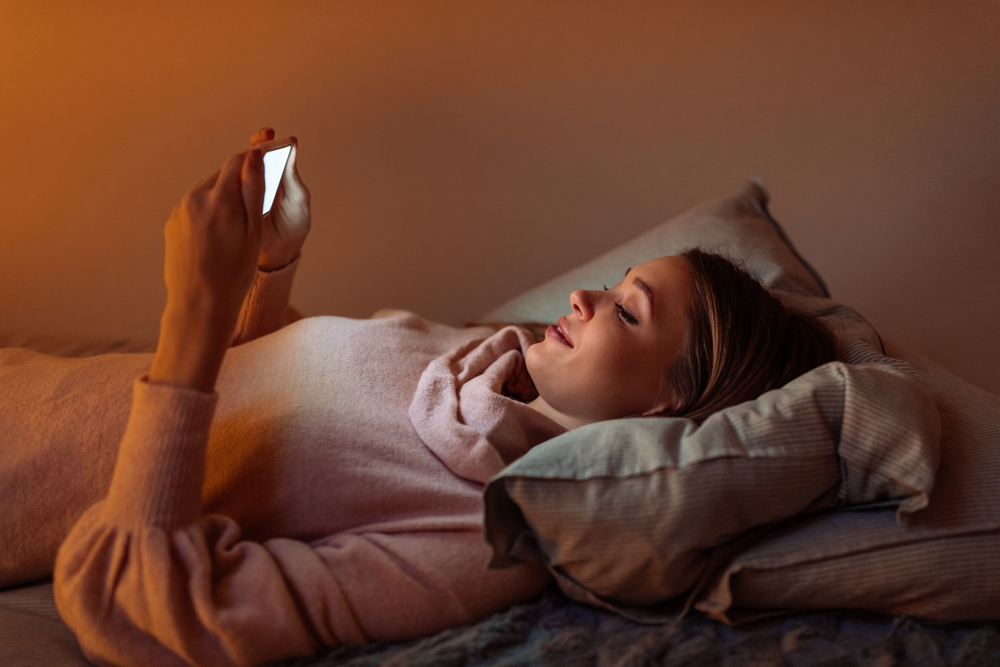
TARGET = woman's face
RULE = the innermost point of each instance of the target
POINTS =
(609, 357)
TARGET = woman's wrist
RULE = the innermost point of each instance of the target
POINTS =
(280, 251)
(189, 352)
(276, 262)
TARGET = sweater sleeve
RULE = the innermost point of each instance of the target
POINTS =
(145, 579)
(265, 308)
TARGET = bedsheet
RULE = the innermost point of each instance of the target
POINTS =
(552, 630)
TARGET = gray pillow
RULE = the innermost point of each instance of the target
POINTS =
(637, 512)
(738, 225)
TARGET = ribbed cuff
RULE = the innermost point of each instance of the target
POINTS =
(161, 461)
(265, 307)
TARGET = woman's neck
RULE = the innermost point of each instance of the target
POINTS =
(567, 421)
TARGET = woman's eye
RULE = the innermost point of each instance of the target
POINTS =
(625, 315)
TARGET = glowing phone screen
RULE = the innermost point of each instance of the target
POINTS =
(274, 167)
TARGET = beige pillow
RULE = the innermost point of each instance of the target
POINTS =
(636, 512)
(943, 565)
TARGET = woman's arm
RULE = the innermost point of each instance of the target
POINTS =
(144, 578)
(283, 232)
(141, 587)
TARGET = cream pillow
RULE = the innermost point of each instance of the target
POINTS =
(943, 565)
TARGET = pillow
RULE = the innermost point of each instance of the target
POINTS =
(637, 512)
(942, 566)
(739, 225)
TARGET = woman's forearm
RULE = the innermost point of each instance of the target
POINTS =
(189, 352)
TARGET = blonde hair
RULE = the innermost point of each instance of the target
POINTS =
(742, 342)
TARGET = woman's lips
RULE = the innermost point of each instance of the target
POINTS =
(558, 332)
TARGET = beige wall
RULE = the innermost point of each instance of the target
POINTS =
(459, 151)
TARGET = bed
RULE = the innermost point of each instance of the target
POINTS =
(896, 565)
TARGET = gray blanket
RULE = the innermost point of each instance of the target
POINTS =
(555, 631)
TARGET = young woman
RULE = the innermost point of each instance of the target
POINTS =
(282, 486)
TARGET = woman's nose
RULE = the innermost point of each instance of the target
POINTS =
(583, 304)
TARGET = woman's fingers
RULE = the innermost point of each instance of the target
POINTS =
(261, 135)
(252, 187)
(232, 166)
(286, 226)
(227, 186)
(293, 166)
(291, 173)
(208, 182)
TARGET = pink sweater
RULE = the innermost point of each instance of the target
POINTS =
(329, 492)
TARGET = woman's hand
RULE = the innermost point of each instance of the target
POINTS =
(213, 241)
(287, 223)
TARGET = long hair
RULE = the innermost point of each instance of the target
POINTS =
(742, 342)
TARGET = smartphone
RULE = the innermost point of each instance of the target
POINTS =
(274, 167)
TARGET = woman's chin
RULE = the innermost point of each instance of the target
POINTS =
(531, 357)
